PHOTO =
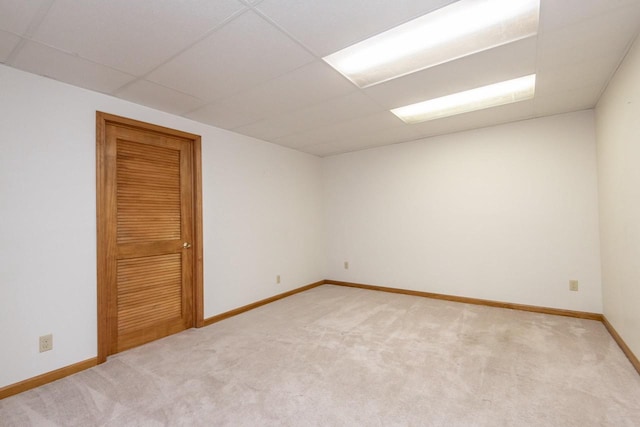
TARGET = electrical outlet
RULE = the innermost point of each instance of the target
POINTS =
(46, 343)
(278, 279)
(573, 285)
(346, 265)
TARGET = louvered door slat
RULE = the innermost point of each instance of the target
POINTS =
(148, 182)
(147, 296)
(152, 221)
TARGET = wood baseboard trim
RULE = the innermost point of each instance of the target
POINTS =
(623, 345)
(47, 377)
(211, 320)
(475, 301)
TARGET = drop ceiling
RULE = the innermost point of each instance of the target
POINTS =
(256, 68)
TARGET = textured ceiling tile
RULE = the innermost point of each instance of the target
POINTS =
(8, 42)
(363, 141)
(223, 116)
(555, 14)
(313, 117)
(309, 84)
(343, 130)
(568, 99)
(132, 36)
(38, 59)
(17, 15)
(329, 25)
(588, 40)
(244, 53)
(159, 97)
(556, 78)
(256, 80)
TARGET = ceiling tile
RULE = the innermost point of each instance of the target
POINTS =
(8, 42)
(244, 53)
(223, 116)
(312, 117)
(17, 15)
(502, 63)
(132, 36)
(155, 96)
(358, 128)
(246, 65)
(554, 79)
(567, 99)
(330, 25)
(608, 34)
(364, 139)
(381, 138)
(555, 14)
(38, 59)
(309, 84)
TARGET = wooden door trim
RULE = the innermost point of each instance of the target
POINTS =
(105, 244)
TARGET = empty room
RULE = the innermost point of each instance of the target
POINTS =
(319, 213)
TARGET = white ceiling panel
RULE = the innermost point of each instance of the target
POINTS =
(17, 15)
(607, 35)
(49, 62)
(503, 63)
(329, 25)
(312, 117)
(285, 93)
(221, 115)
(567, 99)
(159, 97)
(347, 130)
(555, 79)
(8, 41)
(376, 130)
(363, 141)
(244, 53)
(556, 14)
(255, 66)
(132, 36)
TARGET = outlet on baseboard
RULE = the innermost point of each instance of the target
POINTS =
(46, 343)
(346, 265)
(278, 279)
(573, 285)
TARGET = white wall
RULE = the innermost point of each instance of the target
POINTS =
(618, 135)
(262, 217)
(506, 213)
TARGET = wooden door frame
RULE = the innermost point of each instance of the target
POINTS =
(104, 242)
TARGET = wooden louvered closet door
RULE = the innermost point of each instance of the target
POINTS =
(150, 225)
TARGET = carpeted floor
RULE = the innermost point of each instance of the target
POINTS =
(336, 356)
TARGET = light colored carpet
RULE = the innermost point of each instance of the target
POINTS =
(335, 356)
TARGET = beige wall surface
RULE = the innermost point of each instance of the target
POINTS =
(618, 136)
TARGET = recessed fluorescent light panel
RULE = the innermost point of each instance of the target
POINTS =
(479, 98)
(460, 29)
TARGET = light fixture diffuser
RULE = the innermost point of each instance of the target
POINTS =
(502, 93)
(454, 31)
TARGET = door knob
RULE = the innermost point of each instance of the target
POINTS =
(186, 245)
